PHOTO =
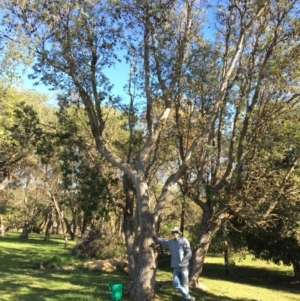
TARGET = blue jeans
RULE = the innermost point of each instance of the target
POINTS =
(181, 281)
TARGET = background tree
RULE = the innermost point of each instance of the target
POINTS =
(18, 124)
(91, 186)
(227, 163)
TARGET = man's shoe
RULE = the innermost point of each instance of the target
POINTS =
(191, 299)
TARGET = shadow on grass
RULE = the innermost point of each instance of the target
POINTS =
(21, 280)
(23, 276)
(255, 276)
(245, 275)
(35, 239)
(166, 291)
(93, 286)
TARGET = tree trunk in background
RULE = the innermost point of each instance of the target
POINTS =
(209, 225)
(74, 227)
(26, 230)
(86, 223)
(48, 230)
(60, 214)
(226, 258)
(42, 226)
(57, 224)
(296, 267)
(2, 229)
(49, 224)
(69, 229)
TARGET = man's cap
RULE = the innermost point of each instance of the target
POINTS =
(176, 229)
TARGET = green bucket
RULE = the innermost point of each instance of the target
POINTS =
(116, 290)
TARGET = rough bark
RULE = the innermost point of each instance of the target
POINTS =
(145, 271)
(128, 225)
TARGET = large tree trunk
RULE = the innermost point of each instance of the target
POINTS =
(143, 285)
(210, 223)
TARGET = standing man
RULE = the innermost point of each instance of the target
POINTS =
(180, 255)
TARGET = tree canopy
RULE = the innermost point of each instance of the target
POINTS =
(205, 116)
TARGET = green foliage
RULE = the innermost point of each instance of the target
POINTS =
(85, 175)
(98, 245)
(278, 242)
(19, 121)
(26, 129)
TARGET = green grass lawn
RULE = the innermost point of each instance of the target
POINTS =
(30, 271)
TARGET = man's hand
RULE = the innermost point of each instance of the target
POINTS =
(184, 263)
(154, 235)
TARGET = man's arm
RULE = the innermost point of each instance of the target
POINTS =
(160, 240)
